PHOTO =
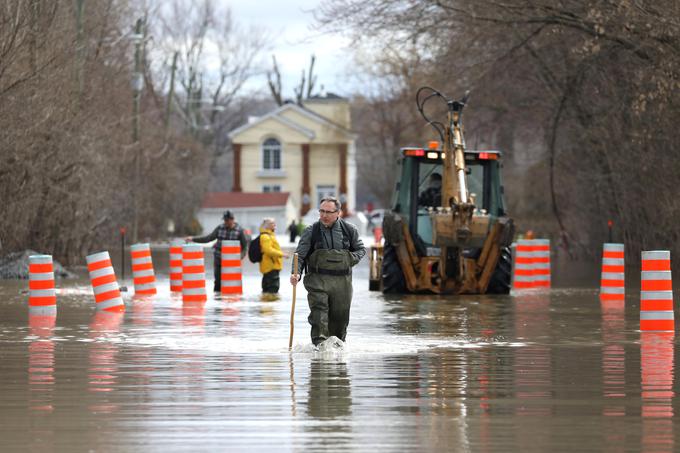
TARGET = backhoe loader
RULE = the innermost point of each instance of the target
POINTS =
(456, 242)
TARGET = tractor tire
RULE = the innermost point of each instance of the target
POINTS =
(392, 275)
(501, 278)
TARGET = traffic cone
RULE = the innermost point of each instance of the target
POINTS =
(656, 292)
(176, 266)
(231, 268)
(540, 263)
(193, 274)
(612, 282)
(142, 269)
(523, 277)
(104, 284)
(42, 296)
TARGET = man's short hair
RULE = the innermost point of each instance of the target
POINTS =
(267, 222)
(333, 200)
(227, 215)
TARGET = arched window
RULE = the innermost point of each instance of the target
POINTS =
(271, 154)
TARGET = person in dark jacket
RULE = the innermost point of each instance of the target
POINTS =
(328, 249)
(293, 231)
(227, 231)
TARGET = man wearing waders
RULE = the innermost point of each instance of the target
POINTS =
(326, 252)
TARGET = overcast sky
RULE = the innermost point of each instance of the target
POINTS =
(290, 21)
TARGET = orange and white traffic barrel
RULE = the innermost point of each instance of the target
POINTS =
(176, 266)
(193, 274)
(142, 269)
(104, 283)
(231, 277)
(42, 296)
(656, 292)
(612, 281)
(540, 263)
(523, 277)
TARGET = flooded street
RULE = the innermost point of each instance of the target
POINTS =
(552, 371)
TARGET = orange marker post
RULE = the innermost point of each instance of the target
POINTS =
(104, 283)
(142, 269)
(42, 296)
(193, 274)
(612, 281)
(176, 266)
(540, 263)
(523, 276)
(656, 292)
(232, 279)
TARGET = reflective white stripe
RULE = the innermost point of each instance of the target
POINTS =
(524, 278)
(231, 256)
(656, 314)
(613, 290)
(231, 243)
(542, 278)
(42, 276)
(613, 247)
(613, 275)
(656, 295)
(193, 277)
(40, 259)
(192, 248)
(101, 272)
(105, 288)
(144, 273)
(613, 261)
(42, 292)
(527, 266)
(231, 270)
(656, 255)
(42, 310)
(193, 291)
(96, 257)
(144, 286)
(142, 260)
(231, 283)
(114, 302)
(176, 282)
(656, 275)
(176, 270)
(175, 257)
(187, 263)
(138, 247)
(541, 265)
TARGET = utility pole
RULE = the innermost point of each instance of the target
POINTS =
(137, 86)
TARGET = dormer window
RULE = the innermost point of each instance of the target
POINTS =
(271, 154)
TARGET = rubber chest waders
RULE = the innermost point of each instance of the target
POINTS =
(329, 293)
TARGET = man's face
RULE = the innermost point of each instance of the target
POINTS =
(229, 223)
(328, 213)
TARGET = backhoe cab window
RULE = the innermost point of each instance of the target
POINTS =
(429, 193)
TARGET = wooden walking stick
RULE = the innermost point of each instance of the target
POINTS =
(292, 308)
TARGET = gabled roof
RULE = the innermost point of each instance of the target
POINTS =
(277, 116)
(228, 200)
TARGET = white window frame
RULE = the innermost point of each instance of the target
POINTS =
(271, 148)
(271, 188)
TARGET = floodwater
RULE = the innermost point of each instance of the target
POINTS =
(552, 371)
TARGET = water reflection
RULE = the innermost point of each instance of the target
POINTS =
(41, 362)
(656, 367)
(532, 362)
(613, 357)
(329, 400)
(103, 364)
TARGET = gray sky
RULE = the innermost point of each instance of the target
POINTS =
(289, 21)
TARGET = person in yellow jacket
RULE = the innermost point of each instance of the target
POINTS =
(272, 256)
